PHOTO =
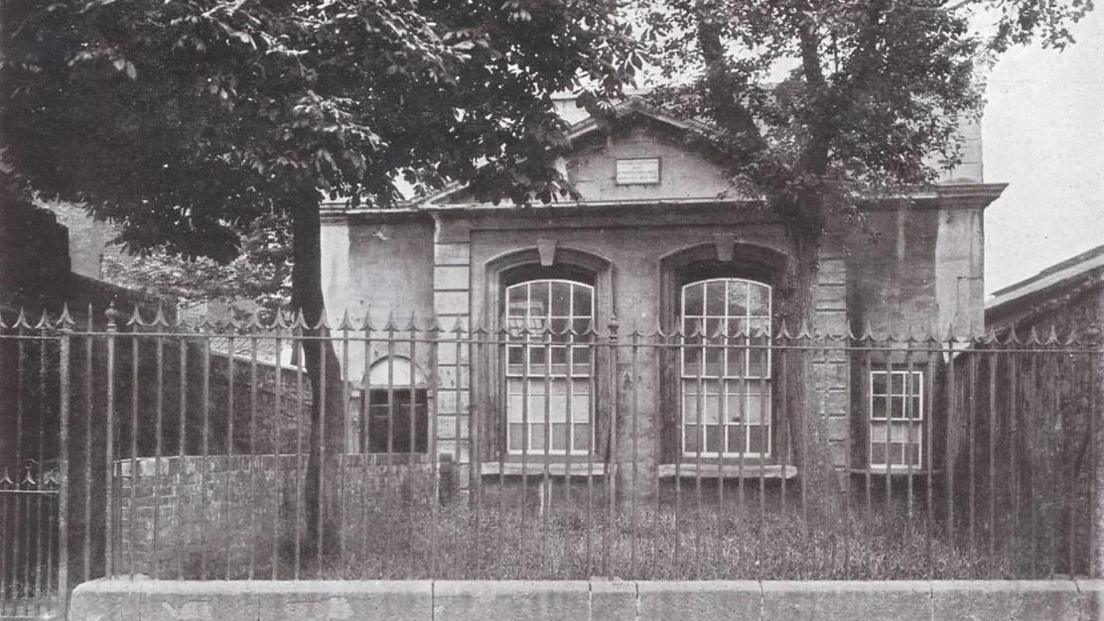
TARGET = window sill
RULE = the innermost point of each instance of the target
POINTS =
(916, 471)
(559, 468)
(727, 471)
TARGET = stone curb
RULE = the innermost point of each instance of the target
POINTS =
(444, 600)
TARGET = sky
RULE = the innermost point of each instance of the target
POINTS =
(1043, 134)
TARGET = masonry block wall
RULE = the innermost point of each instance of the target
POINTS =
(240, 516)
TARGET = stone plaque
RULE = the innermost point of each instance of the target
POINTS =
(637, 170)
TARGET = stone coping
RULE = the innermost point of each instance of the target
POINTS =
(444, 600)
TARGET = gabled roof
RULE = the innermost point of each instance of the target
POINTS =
(1086, 268)
(629, 108)
(634, 106)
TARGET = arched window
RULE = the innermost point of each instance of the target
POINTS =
(389, 410)
(549, 370)
(725, 370)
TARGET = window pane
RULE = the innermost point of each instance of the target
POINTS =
(908, 408)
(693, 300)
(714, 359)
(582, 328)
(558, 332)
(515, 359)
(737, 330)
(537, 356)
(759, 299)
(580, 360)
(755, 409)
(693, 329)
(715, 298)
(516, 301)
(561, 298)
(896, 453)
(736, 406)
(736, 439)
(878, 407)
(737, 361)
(582, 302)
(514, 408)
(759, 358)
(516, 436)
(898, 384)
(713, 437)
(712, 408)
(878, 383)
(714, 331)
(582, 439)
(897, 407)
(559, 360)
(691, 438)
(559, 437)
(691, 360)
(536, 436)
(537, 404)
(759, 327)
(914, 454)
(877, 453)
(737, 298)
(557, 408)
(757, 439)
(690, 407)
(580, 407)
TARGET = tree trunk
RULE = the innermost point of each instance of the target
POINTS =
(823, 496)
(327, 426)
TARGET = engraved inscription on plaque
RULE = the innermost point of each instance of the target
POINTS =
(637, 170)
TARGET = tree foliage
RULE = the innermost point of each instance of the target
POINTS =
(185, 120)
(258, 278)
(820, 101)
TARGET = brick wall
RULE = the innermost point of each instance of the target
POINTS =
(223, 516)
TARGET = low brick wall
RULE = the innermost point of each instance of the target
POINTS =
(219, 516)
(147, 600)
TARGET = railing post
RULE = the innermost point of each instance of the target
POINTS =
(1096, 492)
(109, 445)
(64, 344)
(611, 468)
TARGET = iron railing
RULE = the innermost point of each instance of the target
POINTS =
(144, 447)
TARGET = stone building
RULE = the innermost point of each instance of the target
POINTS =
(657, 240)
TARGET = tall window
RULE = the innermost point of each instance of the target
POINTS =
(549, 371)
(896, 419)
(725, 368)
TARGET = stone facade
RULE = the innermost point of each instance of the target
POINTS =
(916, 264)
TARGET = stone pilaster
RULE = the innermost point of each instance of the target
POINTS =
(833, 369)
(452, 305)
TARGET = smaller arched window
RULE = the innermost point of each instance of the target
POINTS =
(389, 411)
